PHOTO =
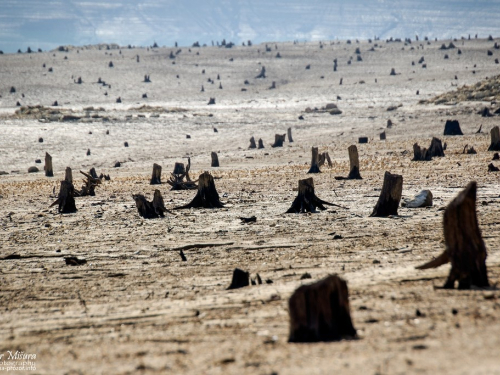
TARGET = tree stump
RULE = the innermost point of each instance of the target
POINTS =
(240, 279)
(156, 176)
(262, 73)
(261, 143)
(211, 101)
(452, 127)
(382, 136)
(289, 133)
(93, 173)
(48, 165)
(423, 154)
(177, 177)
(68, 176)
(465, 248)
(363, 140)
(324, 157)
(354, 165)
(320, 312)
(150, 210)
(89, 185)
(215, 160)
(495, 139)
(252, 143)
(207, 196)
(278, 140)
(306, 200)
(388, 202)
(65, 199)
(314, 161)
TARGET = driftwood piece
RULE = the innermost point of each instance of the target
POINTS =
(321, 312)
(156, 176)
(422, 199)
(289, 134)
(452, 127)
(465, 247)
(240, 279)
(68, 175)
(252, 143)
(66, 198)
(388, 202)
(150, 210)
(261, 143)
(215, 159)
(279, 139)
(48, 165)
(495, 139)
(207, 196)
(314, 161)
(306, 200)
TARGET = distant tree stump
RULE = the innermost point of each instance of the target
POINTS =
(48, 165)
(452, 127)
(252, 143)
(279, 139)
(390, 196)
(93, 173)
(156, 176)
(65, 200)
(211, 101)
(207, 196)
(314, 161)
(324, 157)
(177, 177)
(382, 136)
(289, 133)
(150, 210)
(306, 200)
(240, 279)
(492, 168)
(89, 185)
(262, 73)
(261, 143)
(320, 312)
(423, 154)
(68, 176)
(436, 148)
(215, 160)
(495, 139)
(363, 139)
(465, 248)
(354, 165)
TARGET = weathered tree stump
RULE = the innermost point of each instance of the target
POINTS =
(363, 140)
(48, 165)
(207, 196)
(496, 156)
(495, 139)
(324, 157)
(388, 202)
(382, 136)
(68, 176)
(211, 101)
(240, 279)
(452, 127)
(93, 173)
(422, 199)
(150, 210)
(261, 143)
(465, 248)
(492, 168)
(436, 149)
(279, 139)
(320, 312)
(89, 185)
(88, 152)
(306, 200)
(177, 177)
(289, 133)
(65, 199)
(314, 161)
(215, 160)
(156, 176)
(252, 143)
(354, 165)
(262, 73)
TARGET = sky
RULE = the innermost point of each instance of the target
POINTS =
(47, 24)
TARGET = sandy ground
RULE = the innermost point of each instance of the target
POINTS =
(136, 307)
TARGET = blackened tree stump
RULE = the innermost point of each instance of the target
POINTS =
(390, 196)
(279, 139)
(48, 165)
(452, 127)
(262, 73)
(321, 312)
(382, 136)
(252, 143)
(436, 149)
(289, 133)
(465, 247)
(240, 279)
(150, 210)
(306, 200)
(207, 196)
(354, 165)
(314, 161)
(89, 185)
(211, 101)
(156, 176)
(66, 198)
(495, 139)
(324, 157)
(93, 173)
(68, 175)
(261, 143)
(177, 177)
(215, 160)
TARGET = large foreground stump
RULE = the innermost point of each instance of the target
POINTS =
(48, 165)
(495, 139)
(314, 161)
(207, 196)
(320, 312)
(452, 127)
(156, 176)
(279, 139)
(388, 202)
(306, 200)
(215, 159)
(66, 198)
(149, 210)
(465, 247)
(354, 165)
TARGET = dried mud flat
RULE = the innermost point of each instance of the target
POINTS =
(136, 307)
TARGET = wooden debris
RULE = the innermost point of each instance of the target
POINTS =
(422, 199)
(207, 196)
(492, 168)
(390, 196)
(156, 176)
(465, 247)
(363, 140)
(262, 73)
(240, 279)
(48, 165)
(89, 185)
(495, 139)
(321, 312)
(149, 210)
(245, 220)
(215, 160)
(74, 261)
(279, 139)
(66, 198)
(314, 161)
(306, 200)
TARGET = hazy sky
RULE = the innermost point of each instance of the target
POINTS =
(49, 23)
